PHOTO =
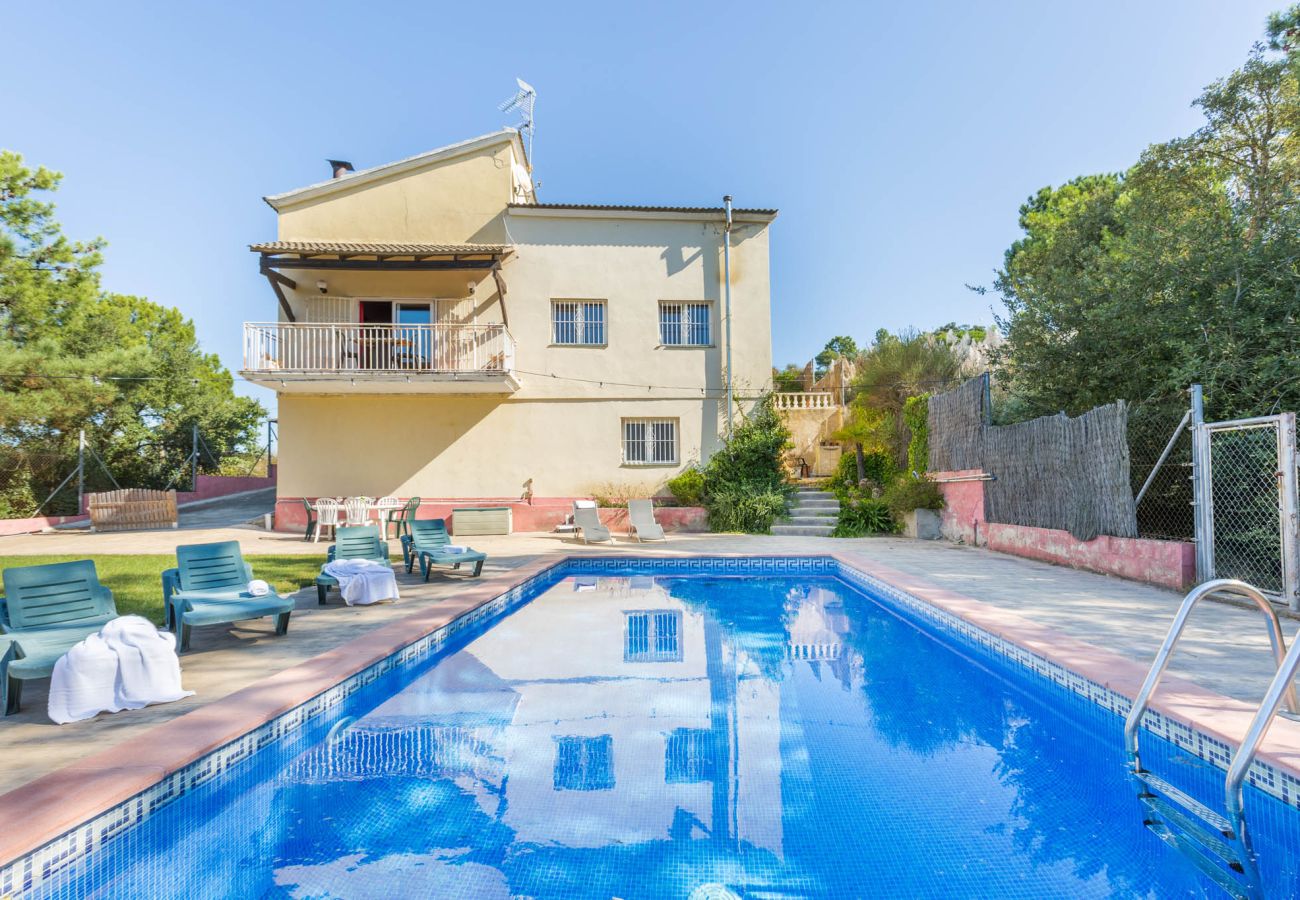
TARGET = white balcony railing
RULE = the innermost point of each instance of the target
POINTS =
(310, 348)
(808, 400)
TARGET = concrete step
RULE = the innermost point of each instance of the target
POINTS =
(814, 495)
(803, 530)
(811, 520)
(828, 505)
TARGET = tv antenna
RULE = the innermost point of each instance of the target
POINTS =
(524, 100)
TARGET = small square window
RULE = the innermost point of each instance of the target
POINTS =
(584, 763)
(578, 322)
(684, 324)
(649, 442)
(652, 635)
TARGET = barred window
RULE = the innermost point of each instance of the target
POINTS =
(584, 763)
(649, 442)
(684, 324)
(689, 756)
(652, 636)
(580, 322)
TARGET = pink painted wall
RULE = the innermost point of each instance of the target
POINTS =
(1170, 564)
(962, 518)
(209, 487)
(38, 523)
(543, 514)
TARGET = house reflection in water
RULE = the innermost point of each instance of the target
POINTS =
(607, 713)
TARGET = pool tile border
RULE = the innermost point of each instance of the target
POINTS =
(115, 798)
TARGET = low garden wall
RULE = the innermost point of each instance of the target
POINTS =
(210, 487)
(542, 514)
(1170, 564)
(207, 487)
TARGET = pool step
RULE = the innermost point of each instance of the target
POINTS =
(812, 514)
(1201, 835)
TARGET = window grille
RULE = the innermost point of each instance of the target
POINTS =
(689, 756)
(584, 763)
(650, 442)
(578, 322)
(684, 324)
(652, 636)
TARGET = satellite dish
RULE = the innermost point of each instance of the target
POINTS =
(524, 100)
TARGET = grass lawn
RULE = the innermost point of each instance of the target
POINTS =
(136, 581)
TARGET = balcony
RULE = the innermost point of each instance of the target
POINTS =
(343, 358)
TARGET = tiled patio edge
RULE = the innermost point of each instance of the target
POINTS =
(43, 832)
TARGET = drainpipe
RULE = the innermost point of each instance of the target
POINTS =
(726, 283)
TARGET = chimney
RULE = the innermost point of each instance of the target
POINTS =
(340, 167)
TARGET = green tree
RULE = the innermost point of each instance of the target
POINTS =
(838, 346)
(1181, 270)
(72, 356)
(896, 367)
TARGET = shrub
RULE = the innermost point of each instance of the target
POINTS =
(916, 414)
(688, 487)
(907, 494)
(614, 494)
(744, 482)
(879, 467)
(745, 511)
(862, 516)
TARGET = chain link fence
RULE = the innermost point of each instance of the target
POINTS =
(1165, 511)
(46, 482)
(1244, 491)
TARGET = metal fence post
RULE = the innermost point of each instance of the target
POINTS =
(1201, 492)
(1289, 525)
(81, 470)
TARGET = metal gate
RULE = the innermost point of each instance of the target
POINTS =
(1245, 485)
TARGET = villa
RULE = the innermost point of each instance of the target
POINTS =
(440, 333)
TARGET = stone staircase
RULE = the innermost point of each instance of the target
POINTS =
(814, 514)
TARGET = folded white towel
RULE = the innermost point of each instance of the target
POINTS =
(148, 670)
(363, 581)
(83, 682)
(129, 664)
(258, 588)
(455, 548)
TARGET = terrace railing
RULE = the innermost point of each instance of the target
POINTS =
(805, 400)
(284, 347)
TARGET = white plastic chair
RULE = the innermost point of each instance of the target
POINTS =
(327, 516)
(357, 510)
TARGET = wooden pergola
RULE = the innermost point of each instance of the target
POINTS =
(355, 256)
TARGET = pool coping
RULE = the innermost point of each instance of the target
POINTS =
(55, 805)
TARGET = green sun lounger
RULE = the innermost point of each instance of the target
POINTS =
(209, 586)
(641, 518)
(355, 542)
(45, 611)
(587, 518)
(427, 544)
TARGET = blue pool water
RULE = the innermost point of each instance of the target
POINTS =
(643, 735)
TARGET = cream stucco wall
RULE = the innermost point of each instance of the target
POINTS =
(460, 200)
(562, 428)
(458, 446)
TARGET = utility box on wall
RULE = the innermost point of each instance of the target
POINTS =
(481, 520)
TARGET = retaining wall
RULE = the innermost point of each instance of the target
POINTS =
(1170, 564)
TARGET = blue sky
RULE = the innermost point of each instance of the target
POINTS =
(897, 139)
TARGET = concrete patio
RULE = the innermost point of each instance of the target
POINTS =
(1225, 650)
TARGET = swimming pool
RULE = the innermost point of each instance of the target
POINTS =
(643, 730)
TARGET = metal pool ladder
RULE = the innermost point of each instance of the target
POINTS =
(1218, 845)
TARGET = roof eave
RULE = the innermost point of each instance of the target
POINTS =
(680, 214)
